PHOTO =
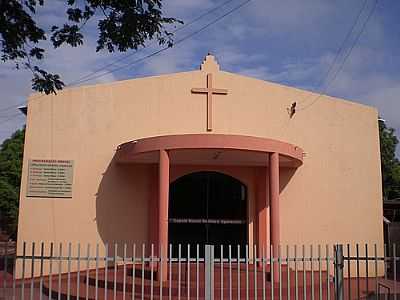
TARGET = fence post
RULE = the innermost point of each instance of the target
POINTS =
(339, 265)
(209, 272)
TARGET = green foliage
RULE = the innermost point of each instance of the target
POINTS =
(11, 154)
(122, 25)
(390, 164)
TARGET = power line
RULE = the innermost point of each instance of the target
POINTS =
(90, 75)
(166, 48)
(342, 46)
(176, 43)
(12, 106)
(344, 59)
(210, 11)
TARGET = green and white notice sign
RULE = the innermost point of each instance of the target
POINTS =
(49, 178)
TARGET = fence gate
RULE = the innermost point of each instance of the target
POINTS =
(130, 271)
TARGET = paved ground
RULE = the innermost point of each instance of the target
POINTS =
(353, 290)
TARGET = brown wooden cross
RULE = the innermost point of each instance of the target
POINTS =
(209, 91)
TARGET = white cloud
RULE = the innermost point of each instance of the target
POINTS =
(181, 8)
(260, 72)
(288, 41)
(387, 100)
(290, 14)
(177, 59)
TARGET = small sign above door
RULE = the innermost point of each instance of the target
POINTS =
(205, 221)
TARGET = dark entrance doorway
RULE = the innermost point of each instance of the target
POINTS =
(207, 208)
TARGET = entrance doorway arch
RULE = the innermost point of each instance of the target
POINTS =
(207, 208)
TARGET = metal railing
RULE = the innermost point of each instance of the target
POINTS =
(369, 272)
(123, 271)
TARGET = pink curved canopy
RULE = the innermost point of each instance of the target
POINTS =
(210, 149)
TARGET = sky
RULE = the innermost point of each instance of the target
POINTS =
(290, 42)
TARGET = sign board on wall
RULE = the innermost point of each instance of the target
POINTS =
(49, 178)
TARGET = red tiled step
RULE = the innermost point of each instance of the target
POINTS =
(177, 288)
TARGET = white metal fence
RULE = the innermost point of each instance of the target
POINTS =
(123, 271)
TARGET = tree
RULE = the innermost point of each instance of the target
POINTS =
(389, 163)
(11, 154)
(122, 25)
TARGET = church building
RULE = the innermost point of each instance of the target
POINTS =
(200, 157)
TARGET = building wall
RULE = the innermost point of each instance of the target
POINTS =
(335, 197)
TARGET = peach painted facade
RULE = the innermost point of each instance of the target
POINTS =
(330, 195)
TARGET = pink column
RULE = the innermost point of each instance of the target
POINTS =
(163, 188)
(274, 205)
(261, 210)
(153, 212)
